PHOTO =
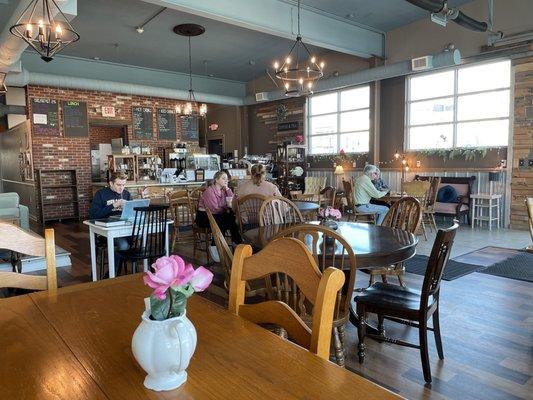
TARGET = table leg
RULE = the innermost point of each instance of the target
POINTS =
(354, 319)
(473, 213)
(92, 241)
(166, 239)
(498, 211)
(111, 254)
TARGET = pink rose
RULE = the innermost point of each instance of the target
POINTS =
(201, 279)
(333, 212)
(169, 271)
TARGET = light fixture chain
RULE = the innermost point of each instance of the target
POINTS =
(298, 17)
(190, 67)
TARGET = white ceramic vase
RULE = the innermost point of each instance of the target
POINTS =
(163, 349)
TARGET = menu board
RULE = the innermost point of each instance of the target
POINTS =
(189, 128)
(166, 123)
(142, 123)
(75, 118)
(45, 117)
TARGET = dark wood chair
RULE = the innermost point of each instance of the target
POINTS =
(248, 208)
(404, 214)
(278, 210)
(201, 235)
(290, 257)
(329, 250)
(327, 196)
(409, 307)
(181, 214)
(350, 209)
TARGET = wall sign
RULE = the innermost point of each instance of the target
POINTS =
(45, 118)
(75, 118)
(166, 123)
(288, 126)
(189, 128)
(108, 112)
(142, 122)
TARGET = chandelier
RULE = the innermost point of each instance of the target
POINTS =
(300, 71)
(190, 108)
(37, 27)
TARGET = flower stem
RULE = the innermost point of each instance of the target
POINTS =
(170, 298)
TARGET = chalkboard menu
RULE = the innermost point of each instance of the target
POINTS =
(75, 118)
(45, 117)
(142, 122)
(189, 128)
(166, 123)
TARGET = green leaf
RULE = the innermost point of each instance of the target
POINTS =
(159, 308)
(187, 291)
(179, 303)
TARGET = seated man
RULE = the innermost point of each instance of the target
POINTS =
(109, 201)
(364, 191)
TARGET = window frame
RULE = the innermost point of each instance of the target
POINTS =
(338, 133)
(455, 96)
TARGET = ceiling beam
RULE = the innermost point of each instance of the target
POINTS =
(279, 18)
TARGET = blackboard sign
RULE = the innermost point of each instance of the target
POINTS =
(142, 122)
(288, 126)
(45, 117)
(166, 123)
(75, 118)
(189, 128)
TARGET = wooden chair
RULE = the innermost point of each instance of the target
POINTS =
(278, 210)
(181, 214)
(428, 209)
(350, 210)
(529, 206)
(405, 214)
(154, 192)
(420, 191)
(200, 235)
(288, 256)
(407, 306)
(16, 239)
(313, 186)
(248, 211)
(329, 250)
(226, 260)
(327, 196)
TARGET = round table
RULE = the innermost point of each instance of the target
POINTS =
(374, 246)
(306, 206)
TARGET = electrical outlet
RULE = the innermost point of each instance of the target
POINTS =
(530, 162)
(418, 163)
(521, 162)
(354, 164)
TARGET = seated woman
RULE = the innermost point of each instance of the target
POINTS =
(364, 191)
(215, 199)
(258, 184)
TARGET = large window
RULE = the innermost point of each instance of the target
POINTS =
(463, 107)
(339, 120)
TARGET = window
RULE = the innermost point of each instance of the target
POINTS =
(464, 107)
(339, 120)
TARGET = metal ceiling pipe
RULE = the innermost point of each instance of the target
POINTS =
(439, 60)
(470, 23)
(433, 6)
(35, 78)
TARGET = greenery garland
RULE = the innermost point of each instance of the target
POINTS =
(467, 153)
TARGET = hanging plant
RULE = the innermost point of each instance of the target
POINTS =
(466, 153)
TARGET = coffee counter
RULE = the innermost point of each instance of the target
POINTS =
(136, 188)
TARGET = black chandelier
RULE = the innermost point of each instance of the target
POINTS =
(190, 108)
(46, 34)
(300, 70)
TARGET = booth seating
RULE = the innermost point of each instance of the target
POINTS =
(462, 204)
(12, 210)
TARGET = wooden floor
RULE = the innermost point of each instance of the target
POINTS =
(486, 323)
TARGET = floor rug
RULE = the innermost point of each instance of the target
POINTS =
(453, 270)
(519, 267)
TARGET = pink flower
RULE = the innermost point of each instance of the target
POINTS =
(333, 212)
(201, 279)
(341, 152)
(169, 271)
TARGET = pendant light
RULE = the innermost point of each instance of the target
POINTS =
(300, 71)
(190, 108)
(45, 28)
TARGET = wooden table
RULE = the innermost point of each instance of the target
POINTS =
(76, 344)
(374, 246)
(306, 206)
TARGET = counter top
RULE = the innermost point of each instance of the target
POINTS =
(151, 184)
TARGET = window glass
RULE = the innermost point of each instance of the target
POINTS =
(431, 111)
(432, 85)
(323, 104)
(355, 120)
(324, 124)
(324, 144)
(483, 133)
(355, 142)
(484, 77)
(483, 105)
(431, 137)
(355, 98)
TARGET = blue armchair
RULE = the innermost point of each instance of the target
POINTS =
(10, 207)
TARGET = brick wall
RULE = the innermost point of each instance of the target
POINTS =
(74, 153)
(103, 134)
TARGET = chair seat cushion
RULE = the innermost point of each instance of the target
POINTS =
(387, 296)
(449, 208)
(447, 194)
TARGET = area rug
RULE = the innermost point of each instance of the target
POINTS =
(519, 267)
(487, 256)
(453, 270)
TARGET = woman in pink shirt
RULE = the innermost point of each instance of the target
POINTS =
(216, 198)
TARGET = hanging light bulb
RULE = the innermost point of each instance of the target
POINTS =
(52, 37)
(396, 155)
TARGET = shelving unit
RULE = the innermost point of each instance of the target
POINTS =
(117, 162)
(288, 157)
(58, 194)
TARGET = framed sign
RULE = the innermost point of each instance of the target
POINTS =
(75, 118)
(166, 123)
(45, 118)
(288, 126)
(142, 122)
(189, 128)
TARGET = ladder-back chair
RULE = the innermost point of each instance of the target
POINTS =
(279, 210)
(248, 208)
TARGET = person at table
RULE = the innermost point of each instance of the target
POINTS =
(364, 191)
(258, 184)
(109, 201)
(380, 185)
(217, 198)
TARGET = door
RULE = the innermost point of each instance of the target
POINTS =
(214, 146)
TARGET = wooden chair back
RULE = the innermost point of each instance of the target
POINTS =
(404, 214)
(288, 256)
(152, 192)
(248, 208)
(314, 184)
(16, 239)
(194, 198)
(417, 189)
(438, 258)
(329, 249)
(148, 237)
(224, 252)
(327, 196)
(278, 210)
(179, 208)
(348, 193)
(432, 193)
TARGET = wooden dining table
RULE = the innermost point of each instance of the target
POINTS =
(76, 344)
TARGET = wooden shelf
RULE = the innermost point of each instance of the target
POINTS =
(48, 176)
(58, 186)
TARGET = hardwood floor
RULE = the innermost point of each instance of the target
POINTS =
(486, 324)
